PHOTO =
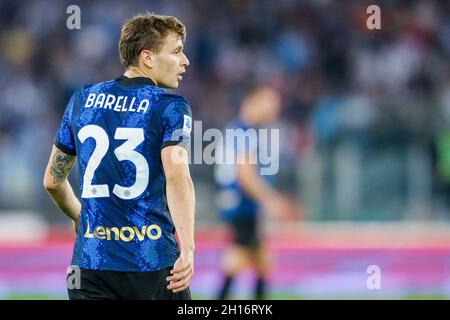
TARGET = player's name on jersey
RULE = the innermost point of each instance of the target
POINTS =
(116, 103)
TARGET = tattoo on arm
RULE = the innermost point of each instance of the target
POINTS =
(62, 163)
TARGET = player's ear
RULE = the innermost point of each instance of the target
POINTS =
(147, 58)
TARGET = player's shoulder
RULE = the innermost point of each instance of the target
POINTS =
(83, 91)
(167, 98)
(98, 86)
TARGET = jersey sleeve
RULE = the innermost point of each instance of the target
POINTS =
(64, 139)
(176, 123)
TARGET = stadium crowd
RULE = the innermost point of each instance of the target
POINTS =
(340, 81)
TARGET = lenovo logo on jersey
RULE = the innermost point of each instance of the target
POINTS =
(126, 234)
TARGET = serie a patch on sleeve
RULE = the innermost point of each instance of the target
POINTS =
(187, 124)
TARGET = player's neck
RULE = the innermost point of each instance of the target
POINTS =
(133, 72)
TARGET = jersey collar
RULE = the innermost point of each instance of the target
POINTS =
(135, 81)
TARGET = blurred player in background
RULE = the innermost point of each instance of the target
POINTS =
(130, 139)
(244, 193)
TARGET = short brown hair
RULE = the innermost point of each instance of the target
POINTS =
(146, 32)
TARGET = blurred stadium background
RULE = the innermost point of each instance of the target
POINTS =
(365, 136)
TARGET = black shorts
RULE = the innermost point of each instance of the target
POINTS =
(245, 231)
(114, 285)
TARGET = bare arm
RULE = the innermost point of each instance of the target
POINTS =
(252, 183)
(275, 204)
(57, 186)
(181, 202)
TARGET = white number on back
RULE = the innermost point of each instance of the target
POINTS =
(101, 147)
(133, 137)
(126, 151)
